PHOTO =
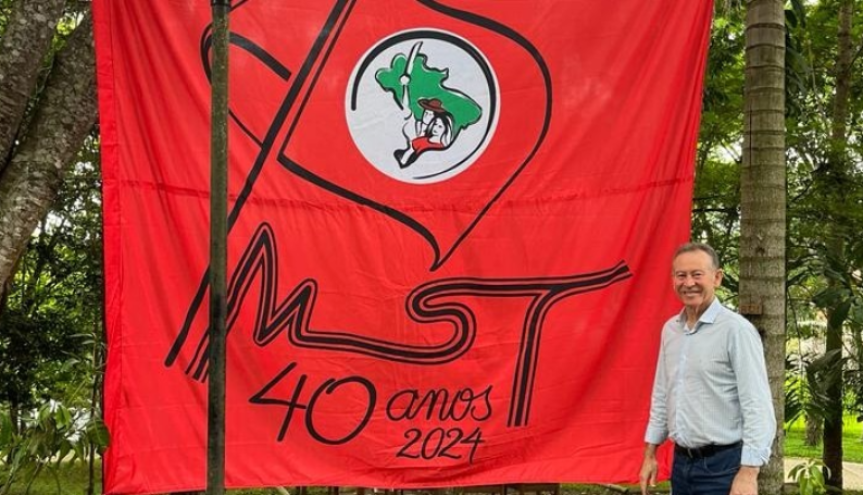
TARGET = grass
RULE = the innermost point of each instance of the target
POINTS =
(852, 445)
(72, 480)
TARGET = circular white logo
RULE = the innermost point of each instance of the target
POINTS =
(422, 105)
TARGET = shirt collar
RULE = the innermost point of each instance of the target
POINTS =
(709, 315)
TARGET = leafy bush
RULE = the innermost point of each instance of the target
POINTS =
(809, 477)
(48, 436)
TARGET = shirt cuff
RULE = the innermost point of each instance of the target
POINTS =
(655, 436)
(754, 457)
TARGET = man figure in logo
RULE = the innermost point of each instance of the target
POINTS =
(710, 395)
(434, 114)
(432, 132)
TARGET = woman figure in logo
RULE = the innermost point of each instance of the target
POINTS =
(432, 132)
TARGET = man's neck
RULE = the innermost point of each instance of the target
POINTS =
(694, 314)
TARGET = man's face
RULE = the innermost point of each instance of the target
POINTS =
(428, 115)
(695, 279)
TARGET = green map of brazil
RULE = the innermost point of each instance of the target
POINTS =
(426, 83)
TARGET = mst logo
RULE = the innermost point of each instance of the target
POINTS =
(422, 105)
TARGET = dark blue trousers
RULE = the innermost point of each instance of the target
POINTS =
(705, 475)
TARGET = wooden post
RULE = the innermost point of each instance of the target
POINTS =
(218, 249)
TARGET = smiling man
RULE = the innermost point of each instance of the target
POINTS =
(710, 395)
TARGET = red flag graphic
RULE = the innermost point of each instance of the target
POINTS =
(450, 230)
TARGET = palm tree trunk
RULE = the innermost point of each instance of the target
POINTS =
(763, 197)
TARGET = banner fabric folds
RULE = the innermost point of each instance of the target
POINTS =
(450, 232)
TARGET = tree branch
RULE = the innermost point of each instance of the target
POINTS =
(27, 39)
(66, 113)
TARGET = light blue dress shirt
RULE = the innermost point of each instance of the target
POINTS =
(711, 386)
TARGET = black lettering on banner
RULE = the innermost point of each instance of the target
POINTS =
(292, 403)
(440, 404)
(483, 401)
(396, 410)
(453, 436)
(474, 439)
(329, 387)
(439, 442)
(427, 304)
(416, 434)
(424, 303)
(428, 452)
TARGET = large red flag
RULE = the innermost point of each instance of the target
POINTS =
(450, 233)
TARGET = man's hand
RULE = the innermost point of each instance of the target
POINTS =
(649, 469)
(746, 481)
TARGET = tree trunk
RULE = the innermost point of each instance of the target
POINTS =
(763, 197)
(832, 454)
(14, 416)
(814, 431)
(836, 173)
(65, 113)
(29, 31)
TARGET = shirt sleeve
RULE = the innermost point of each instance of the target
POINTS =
(657, 425)
(753, 388)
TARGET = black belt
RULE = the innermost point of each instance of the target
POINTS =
(706, 451)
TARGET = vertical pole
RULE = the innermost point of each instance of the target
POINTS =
(218, 249)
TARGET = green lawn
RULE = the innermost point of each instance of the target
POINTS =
(852, 445)
(71, 480)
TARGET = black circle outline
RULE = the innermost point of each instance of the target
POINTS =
(445, 37)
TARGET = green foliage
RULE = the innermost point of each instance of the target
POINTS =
(51, 435)
(825, 188)
(5, 12)
(716, 201)
(808, 395)
(825, 209)
(53, 310)
(809, 477)
(51, 337)
(31, 346)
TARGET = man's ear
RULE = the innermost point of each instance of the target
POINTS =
(718, 278)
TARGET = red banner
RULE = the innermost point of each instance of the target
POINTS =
(449, 236)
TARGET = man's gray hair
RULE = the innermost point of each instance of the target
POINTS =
(691, 247)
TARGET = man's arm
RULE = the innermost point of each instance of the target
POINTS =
(745, 481)
(649, 468)
(657, 425)
(753, 388)
(756, 403)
